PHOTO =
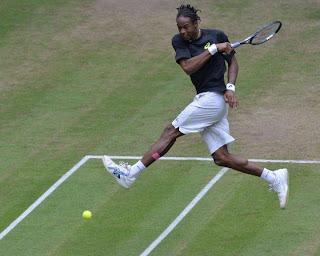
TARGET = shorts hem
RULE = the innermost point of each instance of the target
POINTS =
(216, 147)
(182, 130)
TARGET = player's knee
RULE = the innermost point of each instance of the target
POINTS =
(222, 160)
(169, 133)
(243, 162)
(218, 161)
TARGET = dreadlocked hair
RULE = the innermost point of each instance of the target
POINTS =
(189, 12)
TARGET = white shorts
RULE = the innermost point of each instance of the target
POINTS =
(207, 114)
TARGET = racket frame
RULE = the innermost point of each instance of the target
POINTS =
(249, 39)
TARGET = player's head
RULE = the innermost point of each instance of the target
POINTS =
(187, 21)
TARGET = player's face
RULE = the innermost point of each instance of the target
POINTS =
(187, 29)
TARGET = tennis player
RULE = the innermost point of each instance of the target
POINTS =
(202, 54)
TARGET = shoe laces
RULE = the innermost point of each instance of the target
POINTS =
(124, 165)
(276, 186)
(270, 189)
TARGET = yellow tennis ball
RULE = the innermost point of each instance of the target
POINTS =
(87, 215)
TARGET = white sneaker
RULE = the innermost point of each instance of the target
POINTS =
(119, 172)
(281, 186)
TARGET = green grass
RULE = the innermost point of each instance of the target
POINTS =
(240, 221)
(79, 79)
(112, 207)
(125, 222)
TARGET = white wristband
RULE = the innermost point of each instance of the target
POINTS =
(231, 87)
(212, 49)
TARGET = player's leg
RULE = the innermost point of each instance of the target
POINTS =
(279, 179)
(192, 119)
(126, 174)
(218, 139)
(162, 146)
(159, 149)
(203, 111)
(222, 157)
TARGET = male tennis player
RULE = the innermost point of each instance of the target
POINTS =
(202, 54)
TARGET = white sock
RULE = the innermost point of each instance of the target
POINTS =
(136, 169)
(268, 175)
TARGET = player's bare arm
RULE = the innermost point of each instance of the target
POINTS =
(193, 64)
(229, 95)
(232, 70)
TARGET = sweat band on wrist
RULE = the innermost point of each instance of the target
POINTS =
(231, 87)
(212, 49)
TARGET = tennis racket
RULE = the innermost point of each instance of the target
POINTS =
(262, 35)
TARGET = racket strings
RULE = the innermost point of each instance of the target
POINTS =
(265, 34)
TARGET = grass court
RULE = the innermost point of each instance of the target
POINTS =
(95, 77)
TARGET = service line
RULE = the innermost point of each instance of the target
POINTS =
(210, 159)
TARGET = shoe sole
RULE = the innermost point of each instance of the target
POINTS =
(121, 182)
(106, 160)
(287, 194)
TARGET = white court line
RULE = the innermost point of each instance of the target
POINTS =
(210, 159)
(86, 158)
(43, 197)
(184, 212)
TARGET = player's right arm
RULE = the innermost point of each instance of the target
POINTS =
(193, 64)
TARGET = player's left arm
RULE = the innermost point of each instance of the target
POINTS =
(229, 95)
(232, 70)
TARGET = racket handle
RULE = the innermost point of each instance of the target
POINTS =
(235, 45)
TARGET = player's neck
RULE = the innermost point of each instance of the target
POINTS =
(198, 35)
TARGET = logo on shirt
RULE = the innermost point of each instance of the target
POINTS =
(207, 45)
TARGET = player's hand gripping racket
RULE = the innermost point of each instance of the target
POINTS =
(262, 35)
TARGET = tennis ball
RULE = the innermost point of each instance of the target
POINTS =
(87, 215)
